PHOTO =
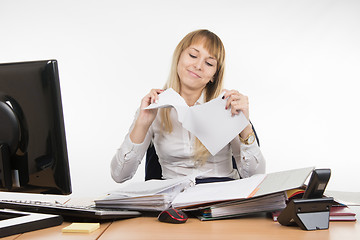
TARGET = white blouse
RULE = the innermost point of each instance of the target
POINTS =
(175, 152)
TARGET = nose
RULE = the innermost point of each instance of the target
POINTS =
(198, 64)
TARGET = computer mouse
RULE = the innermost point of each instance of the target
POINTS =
(172, 215)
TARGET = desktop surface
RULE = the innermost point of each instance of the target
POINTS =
(245, 228)
(252, 227)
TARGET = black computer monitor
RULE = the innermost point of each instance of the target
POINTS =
(33, 152)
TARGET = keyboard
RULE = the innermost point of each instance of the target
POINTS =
(69, 212)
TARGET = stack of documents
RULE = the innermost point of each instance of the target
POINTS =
(230, 209)
(258, 193)
(158, 202)
(152, 195)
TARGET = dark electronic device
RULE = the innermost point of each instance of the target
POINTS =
(312, 212)
(317, 183)
(33, 152)
(172, 215)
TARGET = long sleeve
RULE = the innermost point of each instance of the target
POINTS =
(249, 158)
(128, 157)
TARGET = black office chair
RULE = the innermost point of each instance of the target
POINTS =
(153, 168)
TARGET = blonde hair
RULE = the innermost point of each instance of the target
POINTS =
(215, 47)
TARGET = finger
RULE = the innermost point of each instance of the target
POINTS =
(233, 98)
(228, 93)
(235, 108)
(231, 95)
(146, 101)
(158, 91)
(154, 95)
(225, 91)
(244, 108)
(238, 103)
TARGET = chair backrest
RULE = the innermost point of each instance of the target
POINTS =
(153, 167)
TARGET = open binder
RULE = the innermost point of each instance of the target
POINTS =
(246, 188)
(158, 195)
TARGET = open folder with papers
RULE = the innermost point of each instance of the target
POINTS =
(257, 185)
(182, 193)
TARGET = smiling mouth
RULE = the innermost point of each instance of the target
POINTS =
(193, 74)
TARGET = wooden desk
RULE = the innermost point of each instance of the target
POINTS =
(54, 233)
(142, 228)
(245, 228)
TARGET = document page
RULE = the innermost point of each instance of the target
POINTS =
(219, 191)
(210, 122)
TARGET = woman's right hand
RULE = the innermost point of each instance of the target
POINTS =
(147, 116)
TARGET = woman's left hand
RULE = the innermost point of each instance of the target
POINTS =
(237, 102)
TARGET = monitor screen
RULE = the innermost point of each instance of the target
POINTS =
(33, 152)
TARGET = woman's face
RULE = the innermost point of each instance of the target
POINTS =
(196, 67)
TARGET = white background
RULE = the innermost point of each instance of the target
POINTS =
(298, 61)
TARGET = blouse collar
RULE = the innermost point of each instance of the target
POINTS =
(201, 99)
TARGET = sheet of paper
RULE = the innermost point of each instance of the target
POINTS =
(231, 190)
(210, 122)
(170, 98)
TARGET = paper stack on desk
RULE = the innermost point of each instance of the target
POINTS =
(262, 192)
(236, 208)
(154, 195)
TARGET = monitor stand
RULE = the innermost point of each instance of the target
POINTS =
(5, 168)
(17, 222)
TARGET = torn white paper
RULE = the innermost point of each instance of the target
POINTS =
(210, 122)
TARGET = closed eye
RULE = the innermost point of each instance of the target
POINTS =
(193, 56)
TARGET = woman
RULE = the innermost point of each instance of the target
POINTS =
(197, 75)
